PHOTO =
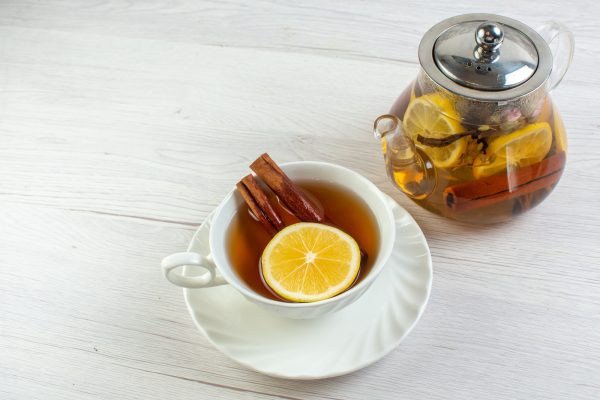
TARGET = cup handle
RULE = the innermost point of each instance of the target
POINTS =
(171, 267)
(562, 44)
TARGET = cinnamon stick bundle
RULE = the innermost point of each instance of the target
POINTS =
(259, 204)
(287, 191)
(291, 195)
(504, 186)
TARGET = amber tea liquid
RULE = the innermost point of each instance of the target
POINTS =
(246, 238)
(463, 171)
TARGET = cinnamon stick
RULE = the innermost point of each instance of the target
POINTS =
(291, 195)
(504, 186)
(259, 204)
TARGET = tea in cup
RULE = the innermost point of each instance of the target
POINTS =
(309, 241)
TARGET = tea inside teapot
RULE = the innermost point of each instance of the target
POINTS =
(476, 136)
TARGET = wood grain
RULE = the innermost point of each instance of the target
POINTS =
(122, 124)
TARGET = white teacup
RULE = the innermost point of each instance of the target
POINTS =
(218, 267)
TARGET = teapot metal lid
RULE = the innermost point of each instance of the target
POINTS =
(486, 57)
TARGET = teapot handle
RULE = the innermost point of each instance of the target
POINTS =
(561, 43)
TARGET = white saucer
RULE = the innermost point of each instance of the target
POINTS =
(323, 347)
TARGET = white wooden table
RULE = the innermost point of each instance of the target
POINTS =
(122, 124)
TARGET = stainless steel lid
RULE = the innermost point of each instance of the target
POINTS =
(485, 56)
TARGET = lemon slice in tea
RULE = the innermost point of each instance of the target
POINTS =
(521, 148)
(432, 116)
(308, 262)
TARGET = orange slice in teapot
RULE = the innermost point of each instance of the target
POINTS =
(521, 148)
(433, 116)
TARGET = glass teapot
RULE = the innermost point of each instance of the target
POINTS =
(476, 136)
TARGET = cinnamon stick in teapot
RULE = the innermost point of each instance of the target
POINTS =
(505, 185)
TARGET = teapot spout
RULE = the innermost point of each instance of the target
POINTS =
(410, 168)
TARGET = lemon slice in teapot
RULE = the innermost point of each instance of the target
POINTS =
(433, 116)
(521, 148)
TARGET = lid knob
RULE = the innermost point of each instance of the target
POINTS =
(489, 38)
(505, 60)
